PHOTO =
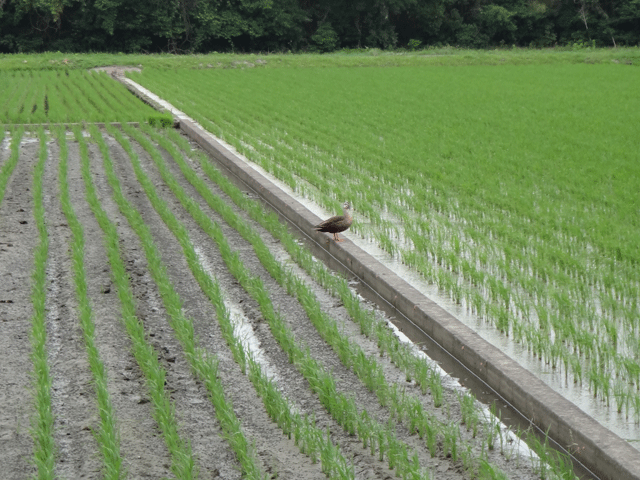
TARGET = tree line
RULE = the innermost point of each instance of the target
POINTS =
(183, 26)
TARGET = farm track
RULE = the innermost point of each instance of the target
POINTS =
(142, 445)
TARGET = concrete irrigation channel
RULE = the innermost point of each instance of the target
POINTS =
(459, 348)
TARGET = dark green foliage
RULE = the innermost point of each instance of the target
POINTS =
(160, 121)
(325, 39)
(185, 26)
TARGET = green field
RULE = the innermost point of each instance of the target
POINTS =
(513, 188)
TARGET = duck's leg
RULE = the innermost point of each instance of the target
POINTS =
(336, 237)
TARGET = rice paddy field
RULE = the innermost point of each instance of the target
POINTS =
(513, 189)
(157, 322)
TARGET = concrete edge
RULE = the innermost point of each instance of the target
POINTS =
(602, 451)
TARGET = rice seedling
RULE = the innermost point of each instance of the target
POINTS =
(549, 463)
(10, 164)
(621, 396)
(492, 427)
(450, 440)
(42, 420)
(470, 416)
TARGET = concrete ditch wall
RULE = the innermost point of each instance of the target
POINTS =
(599, 449)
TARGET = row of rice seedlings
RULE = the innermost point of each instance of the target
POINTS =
(311, 440)
(107, 435)
(57, 105)
(34, 96)
(104, 100)
(112, 95)
(73, 106)
(84, 96)
(400, 354)
(203, 364)
(407, 409)
(42, 420)
(10, 164)
(339, 405)
(182, 460)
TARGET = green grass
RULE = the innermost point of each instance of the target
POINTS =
(344, 58)
(513, 189)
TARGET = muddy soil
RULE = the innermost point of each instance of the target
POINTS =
(142, 445)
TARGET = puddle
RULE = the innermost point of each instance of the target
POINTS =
(242, 328)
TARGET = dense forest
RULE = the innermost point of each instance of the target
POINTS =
(310, 25)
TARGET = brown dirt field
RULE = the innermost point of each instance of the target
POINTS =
(142, 445)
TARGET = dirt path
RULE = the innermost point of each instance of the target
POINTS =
(142, 446)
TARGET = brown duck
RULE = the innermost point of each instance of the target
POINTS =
(337, 224)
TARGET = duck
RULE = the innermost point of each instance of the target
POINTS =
(337, 224)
